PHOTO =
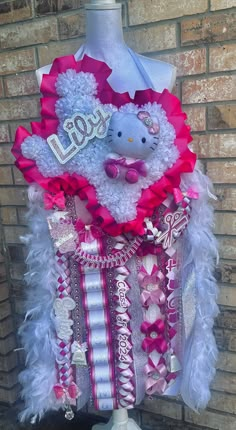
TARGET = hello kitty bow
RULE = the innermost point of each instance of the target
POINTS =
(145, 117)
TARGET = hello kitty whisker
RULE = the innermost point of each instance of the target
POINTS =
(152, 148)
(110, 129)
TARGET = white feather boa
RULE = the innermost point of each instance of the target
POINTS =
(38, 331)
(200, 254)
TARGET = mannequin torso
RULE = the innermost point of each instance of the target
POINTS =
(130, 71)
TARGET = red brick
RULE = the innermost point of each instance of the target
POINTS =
(221, 117)
(15, 125)
(29, 33)
(222, 4)
(4, 294)
(6, 156)
(13, 234)
(5, 176)
(222, 58)
(6, 327)
(8, 362)
(8, 380)
(72, 25)
(13, 196)
(162, 407)
(215, 145)
(4, 133)
(5, 310)
(15, 11)
(218, 88)
(187, 63)
(18, 177)
(22, 215)
(227, 297)
(226, 198)
(225, 223)
(9, 396)
(212, 28)
(17, 61)
(209, 419)
(43, 7)
(21, 85)
(153, 38)
(196, 117)
(48, 52)
(223, 402)
(141, 12)
(227, 248)
(19, 108)
(8, 215)
(8, 344)
(222, 171)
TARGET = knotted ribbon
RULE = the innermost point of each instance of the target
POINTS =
(58, 200)
(156, 382)
(145, 117)
(151, 284)
(155, 336)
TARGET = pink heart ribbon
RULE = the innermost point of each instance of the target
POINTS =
(145, 117)
(58, 200)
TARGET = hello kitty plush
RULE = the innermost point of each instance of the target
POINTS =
(133, 137)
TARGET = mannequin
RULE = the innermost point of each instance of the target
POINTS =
(104, 42)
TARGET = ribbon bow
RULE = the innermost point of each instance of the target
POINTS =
(57, 200)
(155, 339)
(87, 233)
(179, 195)
(152, 293)
(70, 393)
(145, 117)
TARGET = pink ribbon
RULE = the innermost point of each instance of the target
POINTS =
(156, 381)
(180, 195)
(152, 293)
(145, 117)
(155, 339)
(154, 278)
(70, 393)
(87, 233)
(57, 200)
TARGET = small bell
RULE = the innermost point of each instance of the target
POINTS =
(173, 364)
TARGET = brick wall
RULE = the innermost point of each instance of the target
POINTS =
(198, 37)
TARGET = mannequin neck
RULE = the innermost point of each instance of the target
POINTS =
(104, 30)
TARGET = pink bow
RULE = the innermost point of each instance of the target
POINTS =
(87, 233)
(57, 200)
(156, 382)
(145, 117)
(154, 278)
(180, 195)
(70, 393)
(155, 339)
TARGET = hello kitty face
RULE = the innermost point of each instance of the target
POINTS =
(133, 135)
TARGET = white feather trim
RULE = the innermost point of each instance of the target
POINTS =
(200, 254)
(38, 332)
